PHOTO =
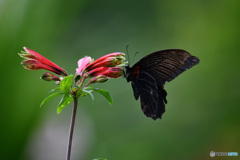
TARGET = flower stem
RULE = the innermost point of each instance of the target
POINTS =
(70, 137)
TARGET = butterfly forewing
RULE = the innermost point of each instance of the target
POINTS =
(167, 64)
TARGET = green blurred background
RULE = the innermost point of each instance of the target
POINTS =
(202, 113)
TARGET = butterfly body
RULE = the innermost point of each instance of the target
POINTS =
(149, 75)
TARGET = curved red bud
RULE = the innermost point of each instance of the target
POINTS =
(109, 60)
(111, 72)
(98, 79)
(96, 71)
(50, 77)
(36, 61)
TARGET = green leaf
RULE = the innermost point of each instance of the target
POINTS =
(88, 88)
(100, 159)
(55, 89)
(66, 99)
(89, 93)
(50, 97)
(66, 83)
(105, 93)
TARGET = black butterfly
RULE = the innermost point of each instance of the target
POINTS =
(149, 75)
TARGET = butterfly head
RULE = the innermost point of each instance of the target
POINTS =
(128, 73)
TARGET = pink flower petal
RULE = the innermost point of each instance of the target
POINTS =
(82, 63)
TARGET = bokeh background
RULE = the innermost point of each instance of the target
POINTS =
(202, 113)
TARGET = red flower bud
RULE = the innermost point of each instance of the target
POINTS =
(98, 79)
(33, 64)
(96, 71)
(50, 77)
(36, 61)
(111, 72)
(109, 60)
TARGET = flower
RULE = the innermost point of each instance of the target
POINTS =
(109, 60)
(82, 63)
(111, 72)
(36, 61)
(101, 69)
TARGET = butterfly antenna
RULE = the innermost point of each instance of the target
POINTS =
(134, 56)
(127, 52)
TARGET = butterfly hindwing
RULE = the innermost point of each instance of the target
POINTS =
(135, 87)
(161, 103)
(152, 101)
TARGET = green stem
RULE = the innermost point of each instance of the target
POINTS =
(83, 80)
(70, 137)
(87, 84)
